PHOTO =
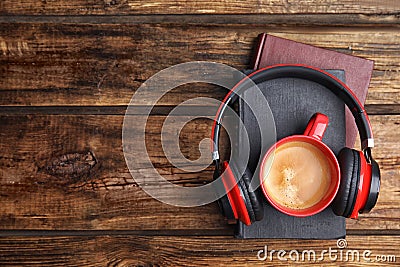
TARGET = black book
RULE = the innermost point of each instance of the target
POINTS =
(293, 102)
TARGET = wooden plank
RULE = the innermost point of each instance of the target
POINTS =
(63, 64)
(194, 251)
(68, 172)
(80, 7)
(101, 194)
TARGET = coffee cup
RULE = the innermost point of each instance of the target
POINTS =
(300, 174)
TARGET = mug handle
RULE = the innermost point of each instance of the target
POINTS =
(317, 125)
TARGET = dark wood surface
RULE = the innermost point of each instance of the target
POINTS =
(125, 250)
(69, 68)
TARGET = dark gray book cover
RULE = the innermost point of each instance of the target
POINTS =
(293, 102)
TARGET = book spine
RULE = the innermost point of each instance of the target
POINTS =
(255, 62)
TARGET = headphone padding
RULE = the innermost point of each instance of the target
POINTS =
(349, 161)
(354, 186)
(226, 208)
(248, 202)
(253, 196)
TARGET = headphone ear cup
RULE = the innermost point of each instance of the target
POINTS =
(374, 187)
(252, 201)
(237, 197)
(243, 189)
(349, 161)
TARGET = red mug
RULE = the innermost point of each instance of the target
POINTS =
(282, 176)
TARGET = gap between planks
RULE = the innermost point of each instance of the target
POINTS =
(377, 20)
(164, 110)
(228, 233)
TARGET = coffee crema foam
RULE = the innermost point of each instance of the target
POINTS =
(299, 177)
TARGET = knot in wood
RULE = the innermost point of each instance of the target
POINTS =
(74, 166)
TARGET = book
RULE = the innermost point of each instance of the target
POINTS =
(273, 50)
(292, 102)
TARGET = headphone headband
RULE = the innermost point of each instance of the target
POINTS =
(316, 75)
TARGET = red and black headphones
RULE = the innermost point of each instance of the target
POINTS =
(360, 175)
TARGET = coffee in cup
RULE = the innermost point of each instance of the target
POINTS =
(299, 177)
(300, 174)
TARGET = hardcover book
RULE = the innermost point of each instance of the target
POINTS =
(293, 102)
(273, 50)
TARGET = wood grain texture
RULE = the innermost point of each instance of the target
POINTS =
(69, 68)
(67, 172)
(191, 251)
(80, 7)
(45, 64)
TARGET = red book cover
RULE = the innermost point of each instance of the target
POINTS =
(273, 50)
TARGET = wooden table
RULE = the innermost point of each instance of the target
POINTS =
(67, 72)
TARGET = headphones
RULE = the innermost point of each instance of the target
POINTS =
(360, 175)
